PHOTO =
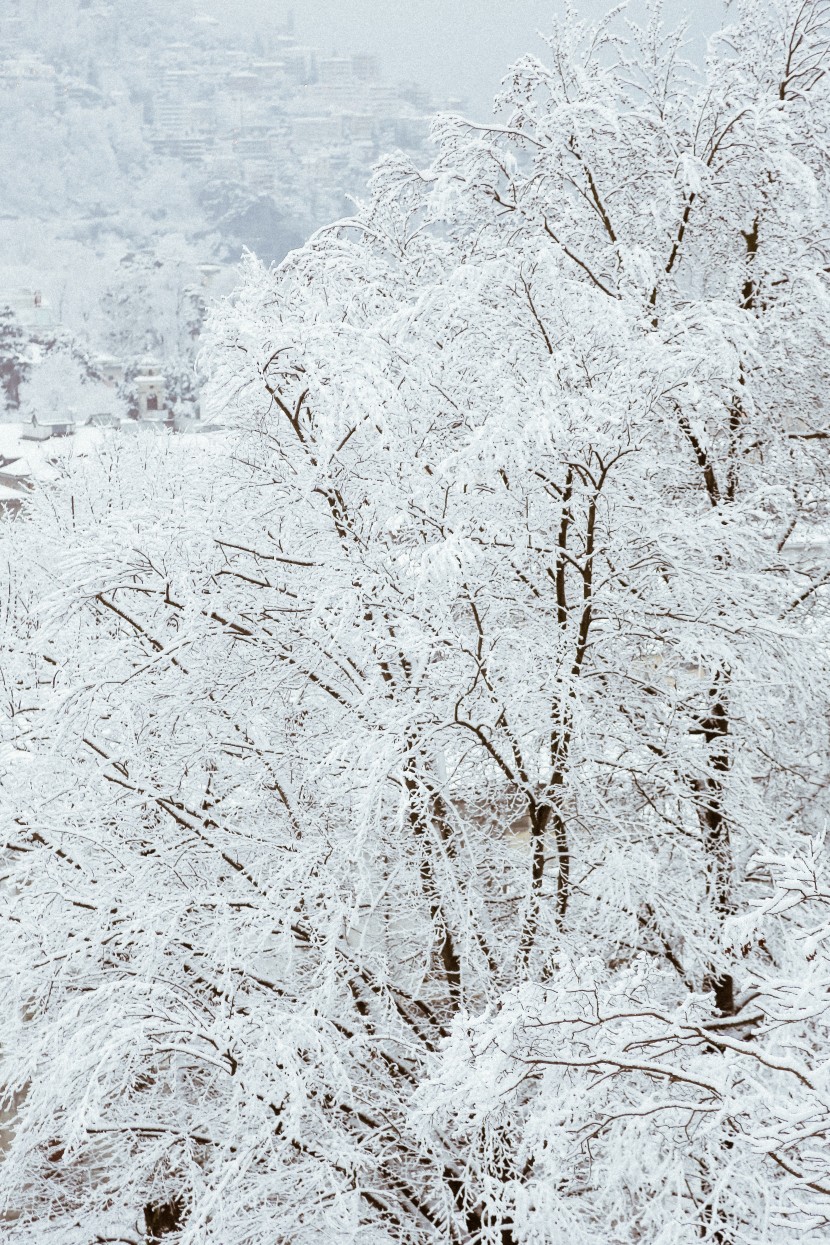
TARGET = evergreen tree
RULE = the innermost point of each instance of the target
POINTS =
(14, 362)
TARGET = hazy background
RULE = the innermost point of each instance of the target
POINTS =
(147, 143)
(455, 47)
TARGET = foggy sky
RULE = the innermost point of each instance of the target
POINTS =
(454, 47)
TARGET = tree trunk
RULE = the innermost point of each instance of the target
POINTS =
(162, 1219)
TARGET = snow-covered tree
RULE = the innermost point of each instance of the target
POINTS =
(14, 359)
(154, 301)
(60, 387)
(416, 802)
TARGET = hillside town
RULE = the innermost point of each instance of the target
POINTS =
(223, 148)
(291, 112)
(273, 115)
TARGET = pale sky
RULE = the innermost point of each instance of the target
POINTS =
(454, 47)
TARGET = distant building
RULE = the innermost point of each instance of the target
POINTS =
(317, 131)
(270, 73)
(151, 391)
(170, 116)
(300, 64)
(360, 127)
(182, 128)
(364, 68)
(44, 430)
(111, 369)
(336, 71)
(103, 419)
(253, 144)
(243, 83)
(190, 148)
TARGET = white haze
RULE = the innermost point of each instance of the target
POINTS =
(457, 49)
